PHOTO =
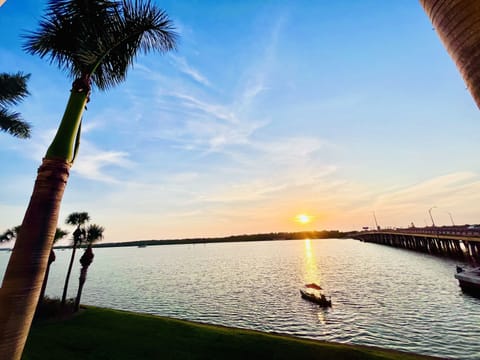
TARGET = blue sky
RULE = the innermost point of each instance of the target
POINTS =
(267, 110)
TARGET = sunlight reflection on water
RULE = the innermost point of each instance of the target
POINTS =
(381, 296)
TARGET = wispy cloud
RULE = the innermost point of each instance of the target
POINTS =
(296, 148)
(456, 192)
(253, 90)
(431, 191)
(88, 126)
(221, 112)
(35, 147)
(182, 65)
(203, 120)
(93, 162)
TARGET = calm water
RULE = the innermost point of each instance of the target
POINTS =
(381, 296)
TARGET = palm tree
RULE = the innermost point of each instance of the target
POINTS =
(59, 234)
(94, 234)
(458, 25)
(95, 42)
(13, 89)
(10, 234)
(79, 235)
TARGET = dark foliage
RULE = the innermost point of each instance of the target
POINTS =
(52, 309)
(13, 89)
(99, 40)
(324, 234)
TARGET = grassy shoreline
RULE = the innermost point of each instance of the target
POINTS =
(98, 333)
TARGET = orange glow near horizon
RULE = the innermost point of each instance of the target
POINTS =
(303, 218)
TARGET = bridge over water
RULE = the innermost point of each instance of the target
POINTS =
(458, 242)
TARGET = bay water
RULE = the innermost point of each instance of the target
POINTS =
(381, 296)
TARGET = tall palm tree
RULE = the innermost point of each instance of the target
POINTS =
(94, 234)
(59, 234)
(13, 89)
(95, 42)
(458, 25)
(79, 235)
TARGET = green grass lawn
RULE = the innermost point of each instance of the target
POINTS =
(109, 334)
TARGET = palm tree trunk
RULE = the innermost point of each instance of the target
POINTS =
(25, 272)
(28, 262)
(67, 278)
(82, 279)
(457, 22)
(85, 260)
(51, 259)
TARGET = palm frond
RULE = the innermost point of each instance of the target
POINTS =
(69, 28)
(77, 218)
(12, 123)
(100, 39)
(7, 236)
(59, 234)
(141, 27)
(13, 88)
(16, 229)
(94, 233)
(10, 234)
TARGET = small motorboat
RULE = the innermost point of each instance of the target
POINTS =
(312, 292)
(469, 280)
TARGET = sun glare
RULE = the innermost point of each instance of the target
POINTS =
(303, 218)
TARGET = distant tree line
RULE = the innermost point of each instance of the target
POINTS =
(324, 234)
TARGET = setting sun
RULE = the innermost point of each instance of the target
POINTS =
(303, 218)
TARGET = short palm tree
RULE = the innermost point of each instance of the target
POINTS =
(13, 89)
(78, 219)
(95, 42)
(59, 234)
(94, 234)
(10, 234)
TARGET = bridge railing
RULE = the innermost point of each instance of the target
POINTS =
(467, 231)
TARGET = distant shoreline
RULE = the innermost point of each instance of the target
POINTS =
(325, 234)
(278, 236)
